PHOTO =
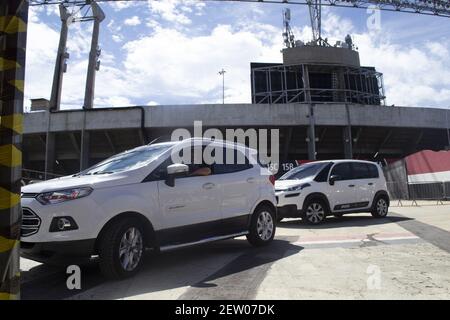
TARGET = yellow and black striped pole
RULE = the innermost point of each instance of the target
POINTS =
(13, 33)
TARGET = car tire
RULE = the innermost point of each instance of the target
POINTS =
(315, 211)
(262, 226)
(121, 249)
(380, 207)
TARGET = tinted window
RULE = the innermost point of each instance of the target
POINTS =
(303, 171)
(239, 162)
(373, 171)
(195, 169)
(360, 170)
(322, 176)
(342, 170)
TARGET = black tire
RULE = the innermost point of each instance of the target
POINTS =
(111, 263)
(380, 207)
(315, 211)
(262, 220)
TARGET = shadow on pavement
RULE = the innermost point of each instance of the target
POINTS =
(208, 269)
(342, 222)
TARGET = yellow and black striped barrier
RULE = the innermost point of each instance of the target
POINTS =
(13, 33)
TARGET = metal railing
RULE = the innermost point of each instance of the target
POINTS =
(434, 191)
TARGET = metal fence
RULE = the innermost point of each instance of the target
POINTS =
(438, 191)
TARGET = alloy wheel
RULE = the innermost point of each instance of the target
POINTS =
(315, 213)
(130, 249)
(264, 225)
(382, 207)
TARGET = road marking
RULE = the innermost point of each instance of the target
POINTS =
(359, 239)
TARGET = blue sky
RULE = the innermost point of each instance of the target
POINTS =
(169, 52)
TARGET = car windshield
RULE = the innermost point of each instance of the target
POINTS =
(127, 160)
(303, 171)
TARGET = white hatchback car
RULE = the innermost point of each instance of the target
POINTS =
(141, 199)
(336, 187)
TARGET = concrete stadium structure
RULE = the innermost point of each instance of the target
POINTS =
(324, 103)
(79, 138)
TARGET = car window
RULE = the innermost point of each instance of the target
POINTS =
(195, 169)
(360, 170)
(303, 171)
(342, 170)
(322, 176)
(239, 162)
(128, 160)
(373, 171)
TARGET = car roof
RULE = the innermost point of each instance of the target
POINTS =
(342, 160)
(216, 141)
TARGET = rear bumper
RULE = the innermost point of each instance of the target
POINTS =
(58, 251)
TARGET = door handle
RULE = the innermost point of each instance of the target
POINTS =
(208, 185)
(251, 180)
(351, 185)
(370, 183)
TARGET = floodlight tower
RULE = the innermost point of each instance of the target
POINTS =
(94, 62)
(61, 58)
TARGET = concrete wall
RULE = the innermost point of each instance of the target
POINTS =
(320, 55)
(238, 115)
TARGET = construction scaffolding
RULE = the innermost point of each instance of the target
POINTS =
(327, 84)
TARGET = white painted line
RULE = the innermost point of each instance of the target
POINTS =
(356, 240)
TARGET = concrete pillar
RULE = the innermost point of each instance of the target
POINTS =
(311, 137)
(347, 139)
(311, 128)
(50, 154)
(84, 150)
(287, 142)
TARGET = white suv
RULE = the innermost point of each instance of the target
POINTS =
(317, 189)
(141, 199)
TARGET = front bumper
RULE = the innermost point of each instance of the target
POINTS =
(58, 251)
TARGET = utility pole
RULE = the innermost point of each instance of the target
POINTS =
(222, 73)
(13, 38)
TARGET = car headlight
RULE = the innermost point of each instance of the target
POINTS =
(59, 196)
(299, 187)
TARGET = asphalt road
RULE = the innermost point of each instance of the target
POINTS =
(406, 255)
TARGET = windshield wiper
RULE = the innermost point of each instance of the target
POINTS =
(103, 172)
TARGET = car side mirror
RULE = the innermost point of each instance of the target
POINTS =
(175, 170)
(333, 179)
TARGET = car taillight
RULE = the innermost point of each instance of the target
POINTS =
(272, 179)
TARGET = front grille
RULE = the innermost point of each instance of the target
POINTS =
(30, 223)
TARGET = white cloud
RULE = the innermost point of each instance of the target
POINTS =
(176, 11)
(169, 62)
(133, 21)
(417, 76)
(120, 5)
(171, 65)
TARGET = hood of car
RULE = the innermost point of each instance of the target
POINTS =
(94, 181)
(286, 184)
